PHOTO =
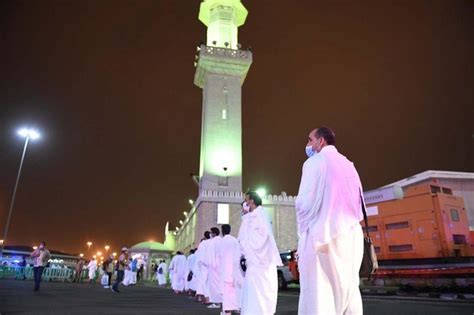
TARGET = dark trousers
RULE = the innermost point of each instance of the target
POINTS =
(119, 279)
(78, 275)
(37, 272)
(110, 277)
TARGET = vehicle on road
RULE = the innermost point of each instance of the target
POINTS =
(288, 273)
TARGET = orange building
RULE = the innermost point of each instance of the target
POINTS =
(423, 221)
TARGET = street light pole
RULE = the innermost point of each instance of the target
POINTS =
(12, 202)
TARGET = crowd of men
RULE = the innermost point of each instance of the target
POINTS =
(240, 274)
(235, 274)
(129, 270)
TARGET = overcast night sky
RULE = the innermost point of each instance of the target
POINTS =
(110, 86)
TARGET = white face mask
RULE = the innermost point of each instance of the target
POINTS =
(246, 207)
(309, 151)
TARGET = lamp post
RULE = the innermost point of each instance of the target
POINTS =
(106, 249)
(28, 134)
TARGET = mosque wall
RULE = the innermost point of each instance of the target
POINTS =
(280, 211)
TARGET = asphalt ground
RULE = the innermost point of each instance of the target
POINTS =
(17, 297)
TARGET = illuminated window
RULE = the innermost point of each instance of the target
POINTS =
(224, 114)
(222, 213)
(454, 215)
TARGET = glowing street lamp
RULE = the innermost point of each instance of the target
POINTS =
(114, 254)
(28, 134)
(81, 255)
(106, 248)
(99, 254)
(35, 247)
(94, 256)
(89, 244)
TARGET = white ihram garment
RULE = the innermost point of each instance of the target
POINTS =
(92, 266)
(231, 278)
(212, 262)
(179, 266)
(260, 288)
(161, 277)
(133, 277)
(190, 285)
(202, 253)
(195, 270)
(127, 277)
(330, 245)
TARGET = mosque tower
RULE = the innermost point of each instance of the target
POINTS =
(221, 68)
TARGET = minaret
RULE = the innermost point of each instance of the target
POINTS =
(221, 68)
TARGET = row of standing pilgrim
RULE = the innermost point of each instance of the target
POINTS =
(237, 274)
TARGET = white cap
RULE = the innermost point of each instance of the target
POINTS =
(124, 249)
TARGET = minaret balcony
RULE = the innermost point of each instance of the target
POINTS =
(223, 61)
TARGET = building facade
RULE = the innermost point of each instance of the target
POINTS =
(214, 208)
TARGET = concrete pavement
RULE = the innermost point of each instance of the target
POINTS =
(70, 298)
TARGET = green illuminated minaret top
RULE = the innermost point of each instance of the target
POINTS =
(222, 18)
(221, 68)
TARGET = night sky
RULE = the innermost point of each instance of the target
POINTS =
(110, 86)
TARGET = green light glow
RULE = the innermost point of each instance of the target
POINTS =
(240, 12)
(262, 192)
(220, 73)
(222, 18)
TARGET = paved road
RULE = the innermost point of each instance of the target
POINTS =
(17, 297)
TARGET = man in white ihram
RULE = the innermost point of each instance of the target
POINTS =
(92, 266)
(231, 279)
(260, 288)
(190, 286)
(161, 271)
(178, 266)
(212, 263)
(330, 245)
(202, 291)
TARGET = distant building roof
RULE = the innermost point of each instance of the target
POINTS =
(431, 175)
(29, 249)
(152, 246)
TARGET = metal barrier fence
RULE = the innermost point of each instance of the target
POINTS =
(49, 274)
